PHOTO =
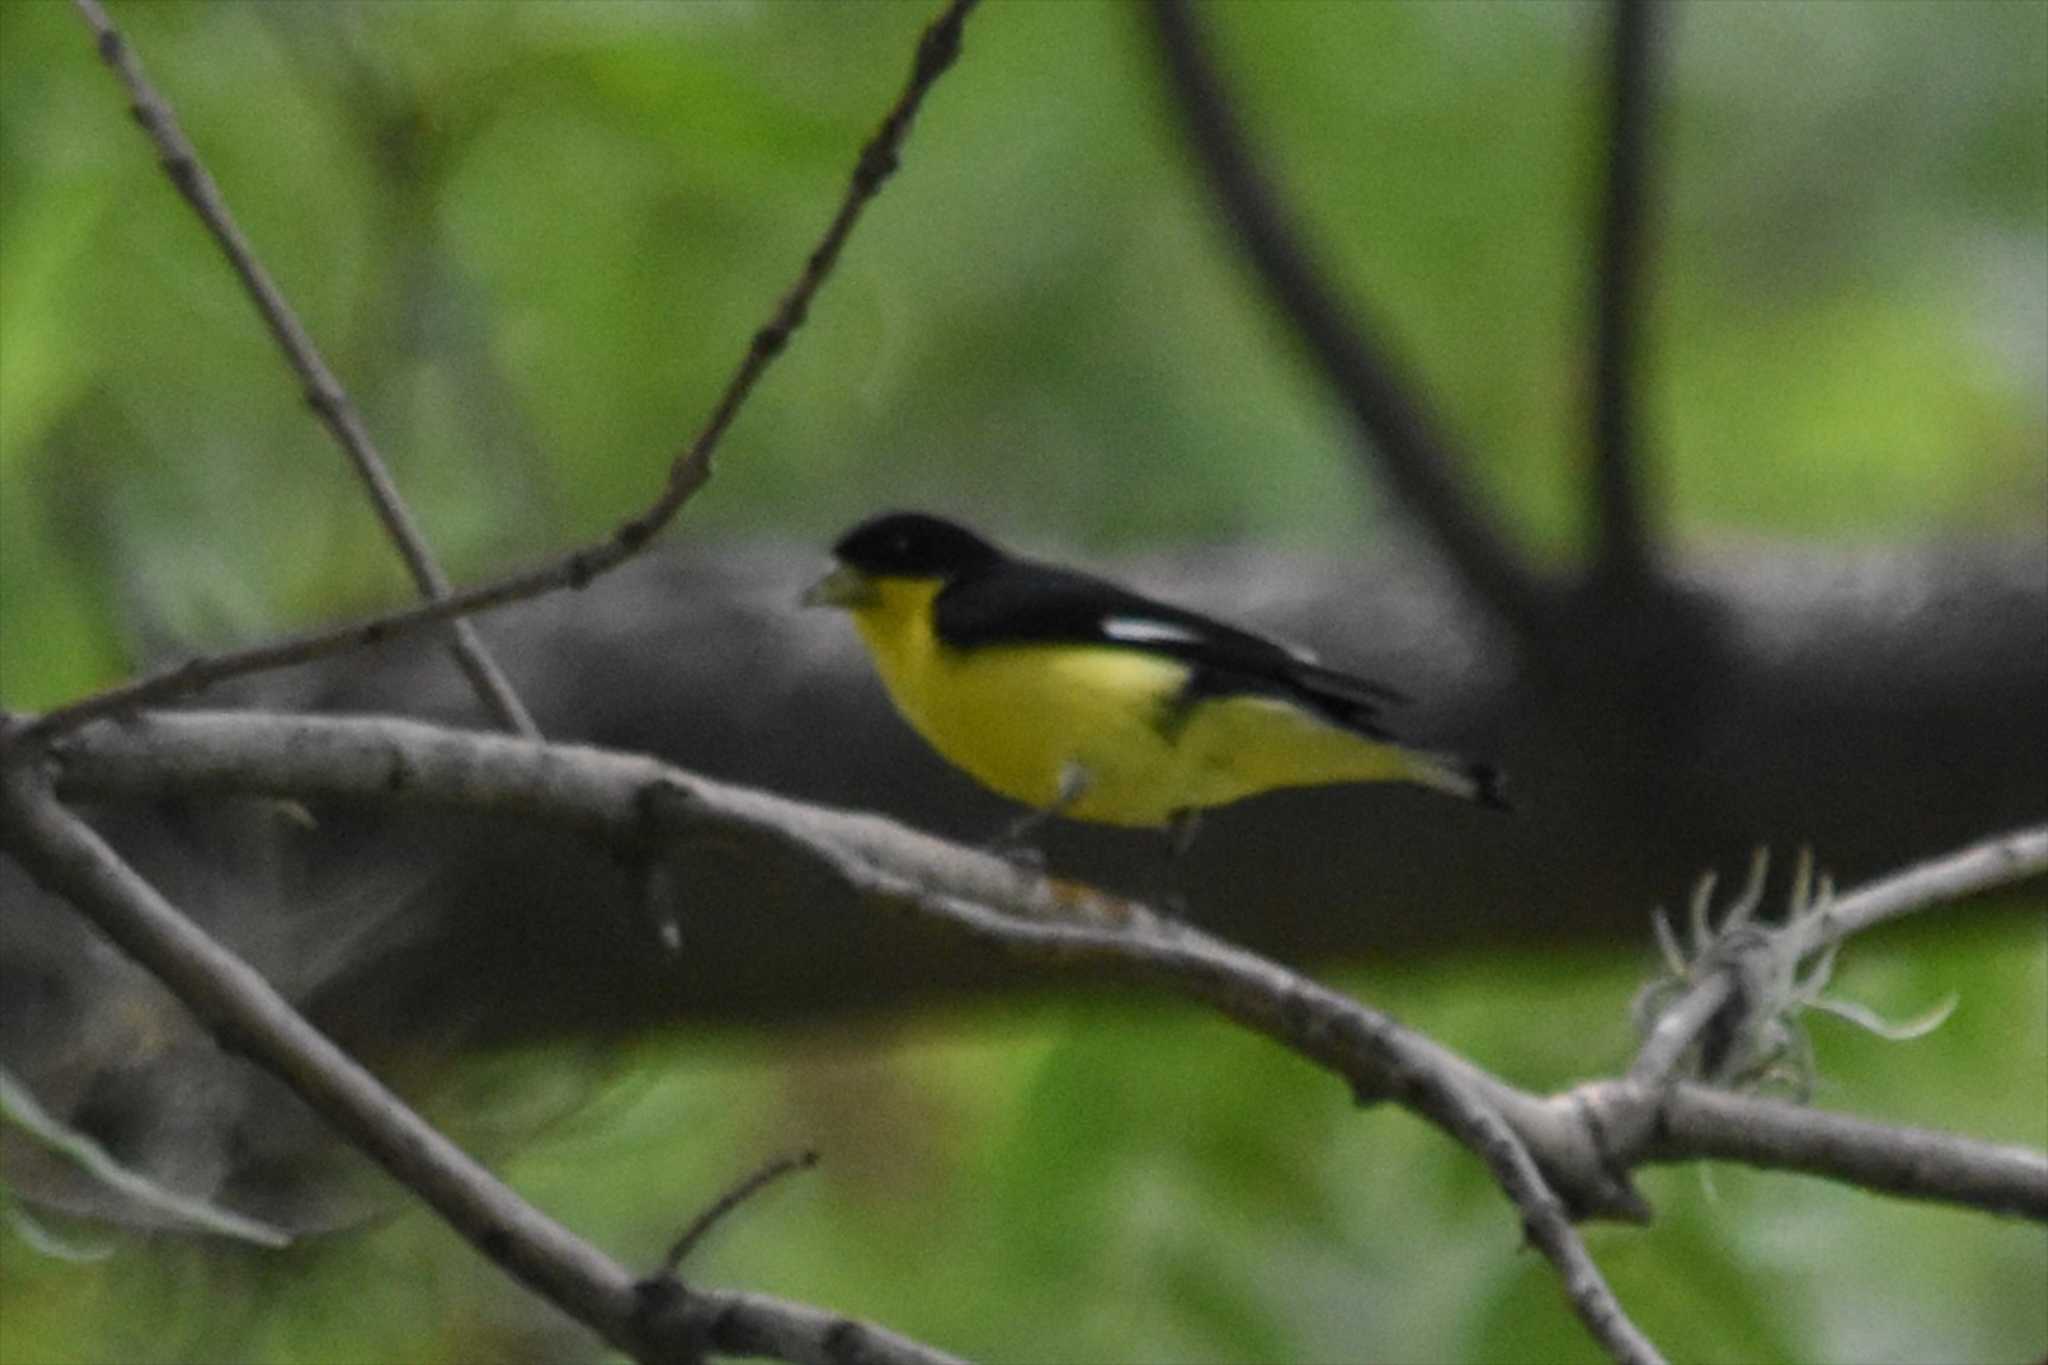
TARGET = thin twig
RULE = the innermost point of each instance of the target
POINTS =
(247, 1015)
(739, 1194)
(1407, 442)
(937, 48)
(324, 392)
(1622, 550)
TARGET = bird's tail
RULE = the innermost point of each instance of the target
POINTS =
(1480, 783)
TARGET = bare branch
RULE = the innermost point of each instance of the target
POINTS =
(1623, 553)
(1383, 398)
(1583, 1155)
(1047, 921)
(742, 1324)
(248, 1016)
(937, 48)
(1697, 1121)
(2004, 860)
(1559, 1155)
(324, 393)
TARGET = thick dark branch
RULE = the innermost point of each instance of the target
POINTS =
(937, 48)
(250, 1017)
(324, 393)
(1622, 549)
(1384, 400)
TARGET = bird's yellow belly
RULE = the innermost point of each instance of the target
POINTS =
(1020, 720)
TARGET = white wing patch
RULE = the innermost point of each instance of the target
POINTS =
(1137, 630)
(1144, 630)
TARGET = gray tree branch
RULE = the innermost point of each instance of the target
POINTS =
(1555, 1155)
(602, 794)
(609, 794)
(1695, 1122)
(248, 1016)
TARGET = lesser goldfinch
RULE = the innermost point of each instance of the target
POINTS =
(1082, 699)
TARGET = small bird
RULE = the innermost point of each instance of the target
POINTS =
(1082, 699)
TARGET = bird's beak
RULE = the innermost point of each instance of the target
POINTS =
(844, 587)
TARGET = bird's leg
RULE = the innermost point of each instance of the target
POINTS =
(1011, 843)
(1181, 828)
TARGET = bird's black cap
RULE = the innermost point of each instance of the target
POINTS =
(914, 545)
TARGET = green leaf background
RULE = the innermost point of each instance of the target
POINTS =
(533, 238)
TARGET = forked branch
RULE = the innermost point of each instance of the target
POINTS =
(324, 393)
(938, 46)
(247, 1015)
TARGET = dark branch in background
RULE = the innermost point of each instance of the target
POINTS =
(1622, 549)
(1384, 400)
(324, 393)
(937, 47)
(247, 1016)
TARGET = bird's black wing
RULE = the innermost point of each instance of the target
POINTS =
(1019, 601)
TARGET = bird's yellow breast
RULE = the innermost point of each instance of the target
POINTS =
(1019, 718)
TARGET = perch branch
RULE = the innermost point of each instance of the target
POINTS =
(603, 794)
(1046, 921)
(323, 391)
(937, 48)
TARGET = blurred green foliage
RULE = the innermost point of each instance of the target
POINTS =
(1121, 1180)
(533, 238)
